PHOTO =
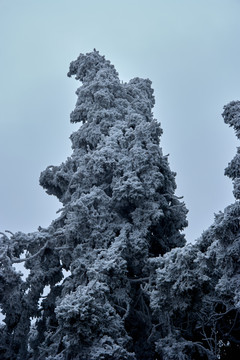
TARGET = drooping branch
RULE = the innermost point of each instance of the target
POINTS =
(139, 279)
(15, 261)
(10, 232)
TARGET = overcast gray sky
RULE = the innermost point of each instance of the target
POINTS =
(189, 49)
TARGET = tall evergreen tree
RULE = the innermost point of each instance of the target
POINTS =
(119, 212)
(196, 300)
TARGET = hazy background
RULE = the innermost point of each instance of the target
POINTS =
(189, 49)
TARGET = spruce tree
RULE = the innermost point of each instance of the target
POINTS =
(119, 212)
(196, 298)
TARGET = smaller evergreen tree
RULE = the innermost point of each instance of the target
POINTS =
(196, 299)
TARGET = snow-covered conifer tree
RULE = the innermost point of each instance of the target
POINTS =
(196, 300)
(119, 211)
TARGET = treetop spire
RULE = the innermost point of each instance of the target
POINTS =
(85, 67)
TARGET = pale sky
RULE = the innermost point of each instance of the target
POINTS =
(189, 49)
